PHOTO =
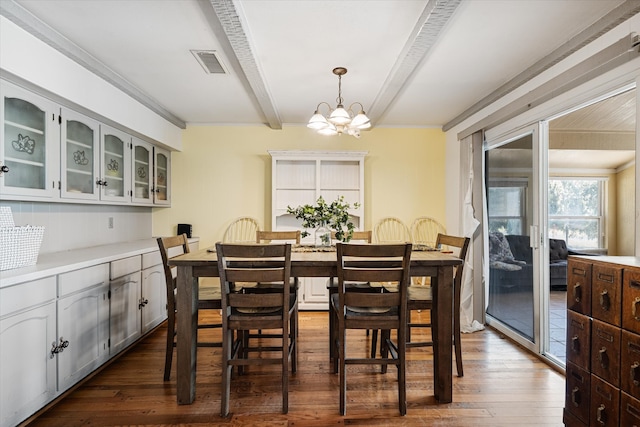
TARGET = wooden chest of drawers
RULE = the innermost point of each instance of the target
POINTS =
(603, 342)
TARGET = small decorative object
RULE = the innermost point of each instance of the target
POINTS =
(113, 165)
(24, 144)
(79, 158)
(326, 217)
(142, 173)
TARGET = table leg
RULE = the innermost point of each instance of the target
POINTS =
(442, 321)
(187, 331)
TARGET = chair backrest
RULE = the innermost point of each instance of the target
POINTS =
(391, 230)
(374, 262)
(254, 263)
(278, 236)
(241, 230)
(425, 230)
(171, 247)
(358, 236)
(462, 245)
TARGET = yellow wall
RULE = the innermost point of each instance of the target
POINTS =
(626, 199)
(224, 172)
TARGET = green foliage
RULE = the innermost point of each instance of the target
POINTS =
(335, 216)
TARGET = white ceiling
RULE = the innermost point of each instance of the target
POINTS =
(403, 77)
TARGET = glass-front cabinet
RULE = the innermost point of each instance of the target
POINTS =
(115, 181)
(29, 144)
(162, 175)
(80, 157)
(142, 172)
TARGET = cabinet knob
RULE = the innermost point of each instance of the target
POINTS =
(143, 302)
(634, 308)
(575, 344)
(603, 358)
(4, 169)
(575, 396)
(601, 416)
(635, 373)
(605, 300)
(577, 292)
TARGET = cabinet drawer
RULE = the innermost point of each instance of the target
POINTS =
(631, 299)
(28, 294)
(605, 403)
(605, 351)
(579, 286)
(578, 339)
(151, 259)
(629, 410)
(82, 279)
(125, 266)
(630, 364)
(578, 392)
(606, 294)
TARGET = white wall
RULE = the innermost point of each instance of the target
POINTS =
(29, 58)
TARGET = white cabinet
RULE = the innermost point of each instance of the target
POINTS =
(27, 336)
(125, 303)
(29, 144)
(162, 177)
(151, 174)
(80, 156)
(115, 174)
(301, 177)
(153, 301)
(83, 323)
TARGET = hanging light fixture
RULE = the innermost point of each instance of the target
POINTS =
(340, 120)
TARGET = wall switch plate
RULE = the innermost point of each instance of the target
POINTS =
(110, 222)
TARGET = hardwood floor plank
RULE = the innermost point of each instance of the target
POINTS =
(503, 386)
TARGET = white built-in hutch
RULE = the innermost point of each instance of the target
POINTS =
(300, 178)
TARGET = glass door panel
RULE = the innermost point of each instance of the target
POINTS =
(116, 163)
(80, 156)
(510, 190)
(142, 172)
(162, 177)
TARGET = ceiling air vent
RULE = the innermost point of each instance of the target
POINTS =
(209, 61)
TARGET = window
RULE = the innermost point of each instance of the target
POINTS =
(507, 205)
(576, 211)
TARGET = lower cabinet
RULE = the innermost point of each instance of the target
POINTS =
(125, 310)
(314, 292)
(153, 304)
(83, 333)
(26, 339)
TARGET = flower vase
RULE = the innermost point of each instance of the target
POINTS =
(323, 236)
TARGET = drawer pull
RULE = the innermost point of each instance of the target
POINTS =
(634, 284)
(603, 358)
(575, 396)
(605, 300)
(634, 308)
(635, 373)
(575, 344)
(577, 292)
(601, 416)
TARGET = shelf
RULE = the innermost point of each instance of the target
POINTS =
(111, 153)
(23, 127)
(141, 162)
(24, 162)
(80, 172)
(80, 144)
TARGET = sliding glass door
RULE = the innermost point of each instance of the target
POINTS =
(512, 173)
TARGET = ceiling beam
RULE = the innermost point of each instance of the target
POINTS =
(611, 20)
(225, 22)
(426, 32)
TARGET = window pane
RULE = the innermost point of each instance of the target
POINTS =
(574, 197)
(578, 233)
(505, 201)
(506, 226)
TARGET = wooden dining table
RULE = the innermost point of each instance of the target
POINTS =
(310, 263)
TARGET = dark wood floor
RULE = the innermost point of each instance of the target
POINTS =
(502, 386)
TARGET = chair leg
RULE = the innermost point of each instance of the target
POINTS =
(285, 370)
(402, 372)
(227, 343)
(169, 349)
(384, 349)
(294, 342)
(374, 343)
(343, 374)
(456, 330)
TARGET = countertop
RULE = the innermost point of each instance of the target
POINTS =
(61, 262)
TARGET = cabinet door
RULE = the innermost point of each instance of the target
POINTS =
(162, 174)
(83, 323)
(116, 165)
(142, 172)
(154, 297)
(29, 144)
(315, 291)
(80, 156)
(125, 313)
(27, 366)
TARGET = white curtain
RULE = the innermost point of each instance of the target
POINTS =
(469, 226)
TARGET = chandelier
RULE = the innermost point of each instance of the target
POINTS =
(340, 120)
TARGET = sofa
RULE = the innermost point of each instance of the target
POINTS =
(511, 262)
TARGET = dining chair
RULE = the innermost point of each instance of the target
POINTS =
(384, 311)
(424, 232)
(421, 298)
(208, 297)
(391, 230)
(241, 230)
(241, 312)
(278, 236)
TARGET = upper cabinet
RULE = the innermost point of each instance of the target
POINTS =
(49, 152)
(300, 177)
(29, 146)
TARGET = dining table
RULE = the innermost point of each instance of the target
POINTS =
(309, 262)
